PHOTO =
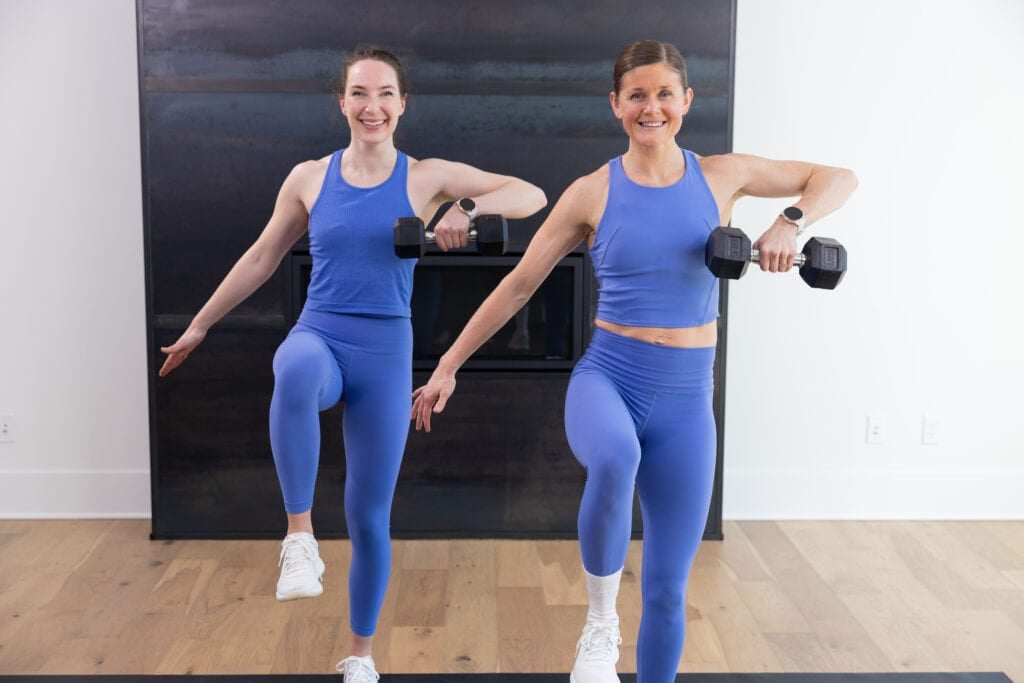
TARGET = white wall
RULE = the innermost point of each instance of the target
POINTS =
(923, 102)
(923, 99)
(72, 307)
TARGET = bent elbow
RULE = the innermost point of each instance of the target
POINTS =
(540, 200)
(849, 179)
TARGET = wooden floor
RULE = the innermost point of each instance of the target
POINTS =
(99, 597)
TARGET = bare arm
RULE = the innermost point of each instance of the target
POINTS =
(493, 193)
(255, 267)
(820, 191)
(566, 226)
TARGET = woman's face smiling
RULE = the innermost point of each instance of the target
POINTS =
(372, 102)
(651, 104)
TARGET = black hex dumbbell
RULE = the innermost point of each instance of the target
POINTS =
(489, 231)
(822, 261)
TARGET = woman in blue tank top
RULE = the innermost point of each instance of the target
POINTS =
(353, 340)
(638, 408)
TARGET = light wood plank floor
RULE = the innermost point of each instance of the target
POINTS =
(96, 596)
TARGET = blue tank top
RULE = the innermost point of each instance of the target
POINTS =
(648, 251)
(351, 240)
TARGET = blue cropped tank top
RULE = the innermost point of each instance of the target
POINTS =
(648, 251)
(351, 241)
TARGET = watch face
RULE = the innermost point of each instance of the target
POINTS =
(467, 205)
(792, 213)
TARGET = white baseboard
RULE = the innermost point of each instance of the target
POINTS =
(879, 494)
(74, 494)
(748, 494)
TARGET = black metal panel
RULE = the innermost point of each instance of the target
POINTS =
(496, 464)
(234, 93)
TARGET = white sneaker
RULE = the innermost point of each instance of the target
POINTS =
(358, 670)
(596, 653)
(302, 570)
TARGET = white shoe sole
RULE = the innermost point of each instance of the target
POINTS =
(572, 678)
(298, 594)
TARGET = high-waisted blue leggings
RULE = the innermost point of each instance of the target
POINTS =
(367, 362)
(639, 415)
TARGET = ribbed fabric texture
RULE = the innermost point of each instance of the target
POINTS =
(351, 240)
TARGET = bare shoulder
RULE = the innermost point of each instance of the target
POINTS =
(587, 196)
(429, 166)
(306, 171)
(428, 175)
(589, 188)
(582, 205)
(728, 175)
(595, 181)
(304, 182)
(728, 164)
(426, 183)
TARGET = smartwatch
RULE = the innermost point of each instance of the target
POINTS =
(794, 216)
(466, 206)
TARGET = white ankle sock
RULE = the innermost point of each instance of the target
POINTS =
(603, 591)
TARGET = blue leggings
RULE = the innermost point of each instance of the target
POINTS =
(368, 362)
(639, 415)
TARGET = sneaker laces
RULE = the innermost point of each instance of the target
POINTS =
(297, 556)
(357, 670)
(599, 642)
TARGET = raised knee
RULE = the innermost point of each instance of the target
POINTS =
(298, 374)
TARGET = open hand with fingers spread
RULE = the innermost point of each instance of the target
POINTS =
(179, 350)
(432, 397)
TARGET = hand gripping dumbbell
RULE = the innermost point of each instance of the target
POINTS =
(822, 261)
(489, 231)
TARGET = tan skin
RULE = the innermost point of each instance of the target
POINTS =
(651, 103)
(372, 104)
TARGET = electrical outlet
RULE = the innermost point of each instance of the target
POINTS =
(6, 428)
(931, 430)
(876, 430)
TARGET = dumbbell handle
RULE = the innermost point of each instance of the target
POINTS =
(798, 259)
(429, 235)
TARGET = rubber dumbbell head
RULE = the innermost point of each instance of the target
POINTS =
(491, 234)
(824, 263)
(410, 238)
(727, 252)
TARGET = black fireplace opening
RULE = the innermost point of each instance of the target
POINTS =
(548, 333)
